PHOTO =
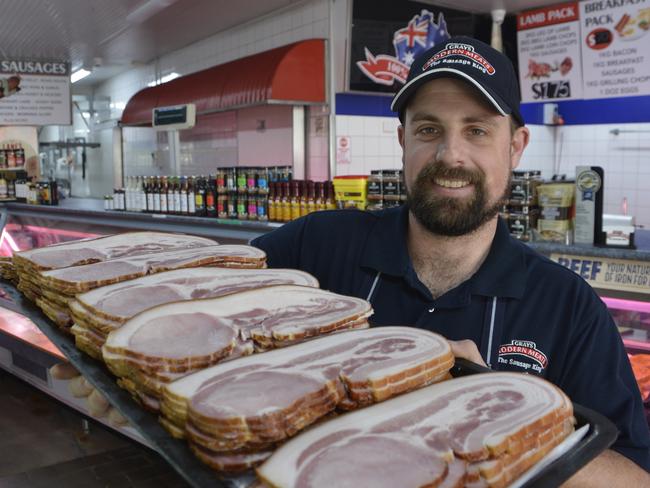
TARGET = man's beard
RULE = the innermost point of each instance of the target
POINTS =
(449, 216)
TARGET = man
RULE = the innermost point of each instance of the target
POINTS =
(446, 263)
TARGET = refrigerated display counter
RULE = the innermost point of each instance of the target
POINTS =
(87, 215)
(620, 276)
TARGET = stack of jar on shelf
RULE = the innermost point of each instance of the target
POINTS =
(385, 189)
(521, 209)
(255, 193)
(12, 156)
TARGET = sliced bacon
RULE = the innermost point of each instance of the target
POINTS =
(475, 417)
(120, 302)
(78, 279)
(104, 248)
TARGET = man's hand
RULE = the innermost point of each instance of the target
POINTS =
(609, 470)
(466, 349)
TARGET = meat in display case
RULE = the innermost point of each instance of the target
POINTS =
(633, 321)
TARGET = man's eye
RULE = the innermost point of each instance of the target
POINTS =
(427, 131)
(477, 131)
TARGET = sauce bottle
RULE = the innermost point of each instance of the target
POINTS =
(285, 208)
(294, 201)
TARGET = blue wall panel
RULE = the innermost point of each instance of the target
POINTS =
(600, 111)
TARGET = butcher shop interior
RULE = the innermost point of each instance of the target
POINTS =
(324, 243)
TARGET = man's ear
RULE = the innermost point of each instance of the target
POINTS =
(518, 143)
(400, 135)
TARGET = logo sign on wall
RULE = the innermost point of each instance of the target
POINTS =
(615, 40)
(388, 35)
(34, 92)
(417, 36)
(548, 41)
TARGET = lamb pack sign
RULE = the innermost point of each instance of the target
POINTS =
(549, 53)
(584, 50)
(34, 92)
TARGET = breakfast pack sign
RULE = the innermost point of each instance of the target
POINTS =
(34, 92)
(548, 41)
(615, 40)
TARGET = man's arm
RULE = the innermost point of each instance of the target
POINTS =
(609, 470)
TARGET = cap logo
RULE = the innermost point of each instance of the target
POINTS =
(458, 53)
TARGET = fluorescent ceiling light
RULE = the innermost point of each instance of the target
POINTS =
(80, 74)
(164, 79)
(147, 10)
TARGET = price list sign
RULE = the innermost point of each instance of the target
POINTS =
(548, 41)
(615, 40)
(34, 92)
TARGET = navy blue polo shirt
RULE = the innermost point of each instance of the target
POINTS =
(525, 312)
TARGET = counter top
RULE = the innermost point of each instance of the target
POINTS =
(230, 230)
(641, 253)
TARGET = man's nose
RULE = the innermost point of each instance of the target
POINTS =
(452, 150)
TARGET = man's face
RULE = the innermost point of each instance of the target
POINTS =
(13, 82)
(458, 154)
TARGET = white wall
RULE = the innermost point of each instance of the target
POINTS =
(624, 157)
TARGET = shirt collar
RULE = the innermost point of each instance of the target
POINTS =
(502, 274)
(504, 271)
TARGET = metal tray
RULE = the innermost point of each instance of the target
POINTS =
(602, 433)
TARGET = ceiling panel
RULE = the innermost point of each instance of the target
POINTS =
(118, 34)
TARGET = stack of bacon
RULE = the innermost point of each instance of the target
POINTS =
(105, 309)
(169, 341)
(477, 431)
(31, 264)
(51, 276)
(235, 413)
(7, 270)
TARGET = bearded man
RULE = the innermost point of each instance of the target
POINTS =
(446, 262)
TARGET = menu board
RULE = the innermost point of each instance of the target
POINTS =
(548, 41)
(34, 92)
(615, 54)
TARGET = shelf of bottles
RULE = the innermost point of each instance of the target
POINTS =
(252, 193)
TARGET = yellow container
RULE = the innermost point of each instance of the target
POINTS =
(350, 191)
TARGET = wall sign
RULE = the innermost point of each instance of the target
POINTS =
(387, 36)
(615, 55)
(548, 41)
(39, 92)
(607, 273)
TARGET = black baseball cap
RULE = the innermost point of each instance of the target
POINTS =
(471, 60)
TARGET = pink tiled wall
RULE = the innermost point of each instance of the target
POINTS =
(265, 136)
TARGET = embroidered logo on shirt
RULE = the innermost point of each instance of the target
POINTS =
(523, 354)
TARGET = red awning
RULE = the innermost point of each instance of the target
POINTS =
(292, 73)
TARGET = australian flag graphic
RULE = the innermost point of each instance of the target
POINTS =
(420, 34)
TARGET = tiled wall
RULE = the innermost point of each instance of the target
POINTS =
(624, 157)
(373, 143)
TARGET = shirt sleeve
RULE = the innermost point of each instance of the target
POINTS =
(283, 245)
(598, 375)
